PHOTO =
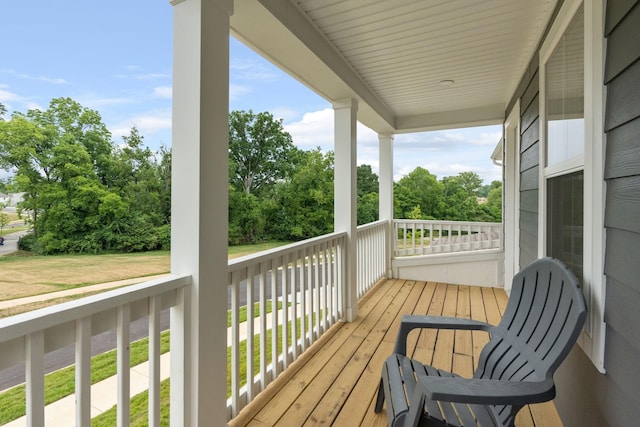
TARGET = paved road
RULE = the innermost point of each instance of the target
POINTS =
(11, 242)
(66, 356)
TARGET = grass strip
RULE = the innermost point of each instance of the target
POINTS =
(140, 402)
(61, 383)
(139, 410)
(242, 312)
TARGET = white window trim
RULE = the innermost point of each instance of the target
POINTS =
(592, 339)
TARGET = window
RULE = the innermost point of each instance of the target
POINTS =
(564, 101)
(571, 187)
(565, 219)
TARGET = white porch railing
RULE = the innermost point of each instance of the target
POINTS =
(306, 280)
(371, 255)
(293, 294)
(27, 337)
(423, 237)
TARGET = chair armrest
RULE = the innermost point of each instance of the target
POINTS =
(485, 391)
(411, 322)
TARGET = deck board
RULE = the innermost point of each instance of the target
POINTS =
(336, 384)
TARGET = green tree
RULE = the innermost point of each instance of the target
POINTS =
(460, 199)
(4, 220)
(259, 151)
(247, 219)
(494, 201)
(419, 189)
(368, 208)
(367, 180)
(143, 181)
(85, 194)
(368, 188)
(470, 182)
(302, 206)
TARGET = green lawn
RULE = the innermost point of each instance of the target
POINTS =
(243, 250)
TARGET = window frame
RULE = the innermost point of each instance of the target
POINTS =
(592, 338)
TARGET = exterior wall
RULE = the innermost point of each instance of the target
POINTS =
(529, 166)
(585, 397)
(622, 210)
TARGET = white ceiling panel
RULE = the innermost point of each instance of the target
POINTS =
(399, 51)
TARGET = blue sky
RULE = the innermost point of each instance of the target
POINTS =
(115, 57)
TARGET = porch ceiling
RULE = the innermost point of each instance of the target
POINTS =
(392, 55)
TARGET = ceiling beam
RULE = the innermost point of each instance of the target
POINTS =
(471, 117)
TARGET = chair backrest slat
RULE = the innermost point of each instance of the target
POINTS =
(541, 323)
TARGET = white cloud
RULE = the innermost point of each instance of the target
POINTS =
(96, 102)
(32, 105)
(146, 123)
(163, 92)
(12, 101)
(55, 81)
(250, 69)
(285, 113)
(400, 171)
(47, 79)
(143, 76)
(315, 129)
(374, 163)
(6, 96)
(488, 138)
(236, 91)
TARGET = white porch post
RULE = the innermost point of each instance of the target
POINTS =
(345, 195)
(385, 201)
(199, 210)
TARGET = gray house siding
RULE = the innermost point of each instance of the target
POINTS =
(613, 399)
(529, 170)
(528, 94)
(622, 209)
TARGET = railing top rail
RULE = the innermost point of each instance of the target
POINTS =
(33, 321)
(435, 221)
(243, 262)
(372, 224)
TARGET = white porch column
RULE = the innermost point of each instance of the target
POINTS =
(199, 204)
(385, 201)
(345, 195)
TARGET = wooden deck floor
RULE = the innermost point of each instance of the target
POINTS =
(335, 382)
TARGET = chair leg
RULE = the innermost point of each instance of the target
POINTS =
(380, 398)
